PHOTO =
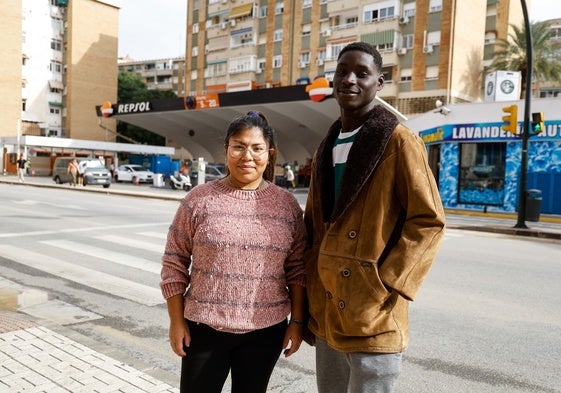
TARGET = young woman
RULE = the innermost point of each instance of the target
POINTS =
(233, 269)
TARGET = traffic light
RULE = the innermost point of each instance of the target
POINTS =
(538, 124)
(511, 119)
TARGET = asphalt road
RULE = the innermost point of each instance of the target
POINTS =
(486, 320)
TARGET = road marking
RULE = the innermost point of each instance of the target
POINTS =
(82, 229)
(125, 241)
(101, 253)
(119, 287)
(32, 202)
(157, 235)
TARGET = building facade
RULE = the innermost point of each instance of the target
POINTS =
(61, 57)
(432, 49)
(159, 74)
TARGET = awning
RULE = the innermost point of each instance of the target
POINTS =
(379, 38)
(56, 84)
(54, 103)
(241, 10)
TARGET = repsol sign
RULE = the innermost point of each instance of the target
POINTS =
(136, 107)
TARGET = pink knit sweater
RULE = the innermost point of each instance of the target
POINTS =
(235, 252)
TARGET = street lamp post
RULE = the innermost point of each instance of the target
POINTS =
(521, 222)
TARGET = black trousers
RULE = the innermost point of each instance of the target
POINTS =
(250, 357)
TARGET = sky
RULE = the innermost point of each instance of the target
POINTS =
(155, 29)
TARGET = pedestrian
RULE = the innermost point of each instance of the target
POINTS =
(233, 270)
(73, 170)
(21, 168)
(289, 176)
(375, 222)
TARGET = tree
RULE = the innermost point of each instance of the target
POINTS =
(131, 88)
(510, 54)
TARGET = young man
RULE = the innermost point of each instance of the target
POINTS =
(375, 222)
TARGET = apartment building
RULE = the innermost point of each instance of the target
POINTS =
(432, 49)
(60, 59)
(159, 74)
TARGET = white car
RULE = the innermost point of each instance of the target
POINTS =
(133, 173)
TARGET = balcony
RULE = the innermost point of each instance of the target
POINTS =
(336, 6)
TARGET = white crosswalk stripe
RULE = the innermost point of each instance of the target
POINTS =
(140, 293)
(102, 253)
(134, 243)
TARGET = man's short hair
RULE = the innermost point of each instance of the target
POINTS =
(366, 48)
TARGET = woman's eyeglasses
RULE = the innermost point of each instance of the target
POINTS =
(256, 152)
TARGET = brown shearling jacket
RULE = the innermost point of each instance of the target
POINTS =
(370, 250)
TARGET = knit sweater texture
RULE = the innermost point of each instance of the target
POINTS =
(232, 253)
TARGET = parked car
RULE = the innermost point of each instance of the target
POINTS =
(93, 169)
(212, 172)
(133, 173)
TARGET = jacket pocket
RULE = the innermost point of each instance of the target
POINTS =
(359, 303)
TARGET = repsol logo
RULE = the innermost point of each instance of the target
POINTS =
(134, 107)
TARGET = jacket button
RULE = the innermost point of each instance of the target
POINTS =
(346, 273)
(328, 295)
(352, 234)
(341, 304)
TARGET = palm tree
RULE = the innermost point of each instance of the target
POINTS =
(510, 54)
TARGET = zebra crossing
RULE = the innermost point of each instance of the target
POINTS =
(125, 265)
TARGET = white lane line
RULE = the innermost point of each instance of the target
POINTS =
(82, 229)
(125, 241)
(112, 256)
(157, 235)
(119, 287)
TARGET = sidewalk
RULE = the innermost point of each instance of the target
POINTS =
(34, 358)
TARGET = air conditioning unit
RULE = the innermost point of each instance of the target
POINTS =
(403, 20)
(233, 22)
(259, 70)
(326, 33)
(402, 51)
(301, 64)
(223, 25)
(319, 62)
(428, 49)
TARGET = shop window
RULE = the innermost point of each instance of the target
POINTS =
(482, 173)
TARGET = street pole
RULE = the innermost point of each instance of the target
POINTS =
(521, 222)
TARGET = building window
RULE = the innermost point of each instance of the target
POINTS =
(195, 28)
(406, 75)
(374, 12)
(54, 111)
(408, 41)
(334, 49)
(278, 35)
(431, 72)
(435, 6)
(263, 11)
(279, 8)
(195, 51)
(409, 9)
(216, 69)
(277, 61)
(306, 3)
(56, 66)
(490, 37)
(305, 58)
(433, 38)
(482, 173)
(56, 44)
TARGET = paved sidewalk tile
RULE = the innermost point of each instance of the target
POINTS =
(34, 359)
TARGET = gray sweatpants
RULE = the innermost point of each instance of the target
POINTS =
(355, 372)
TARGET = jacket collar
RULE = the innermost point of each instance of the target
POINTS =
(365, 153)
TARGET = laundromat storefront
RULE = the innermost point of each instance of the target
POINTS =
(479, 165)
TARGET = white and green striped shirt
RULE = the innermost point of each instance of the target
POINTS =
(341, 150)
